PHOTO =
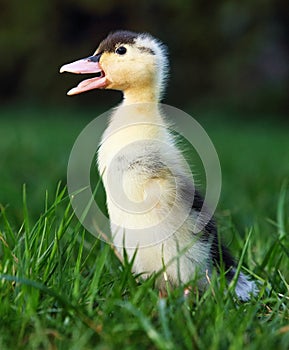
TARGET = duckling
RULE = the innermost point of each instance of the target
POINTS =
(152, 202)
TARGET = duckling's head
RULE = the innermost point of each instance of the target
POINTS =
(133, 63)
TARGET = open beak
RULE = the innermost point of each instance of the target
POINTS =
(86, 66)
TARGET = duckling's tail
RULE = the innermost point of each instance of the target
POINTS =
(245, 288)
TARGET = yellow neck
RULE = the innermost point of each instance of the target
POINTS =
(148, 94)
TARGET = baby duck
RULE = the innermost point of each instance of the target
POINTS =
(152, 202)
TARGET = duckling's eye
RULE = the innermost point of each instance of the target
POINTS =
(121, 50)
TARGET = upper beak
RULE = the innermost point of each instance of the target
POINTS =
(86, 66)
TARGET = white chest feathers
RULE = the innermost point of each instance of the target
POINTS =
(140, 166)
(149, 190)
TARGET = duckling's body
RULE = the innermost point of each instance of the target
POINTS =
(141, 167)
(151, 199)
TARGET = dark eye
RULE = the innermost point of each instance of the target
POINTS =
(121, 50)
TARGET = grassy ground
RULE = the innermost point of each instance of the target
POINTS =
(62, 289)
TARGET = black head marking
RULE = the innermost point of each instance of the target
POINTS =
(122, 37)
(146, 49)
(119, 37)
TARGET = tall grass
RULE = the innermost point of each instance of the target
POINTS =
(62, 288)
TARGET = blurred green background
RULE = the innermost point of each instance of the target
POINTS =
(229, 69)
(230, 51)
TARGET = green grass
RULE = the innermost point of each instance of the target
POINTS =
(60, 288)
